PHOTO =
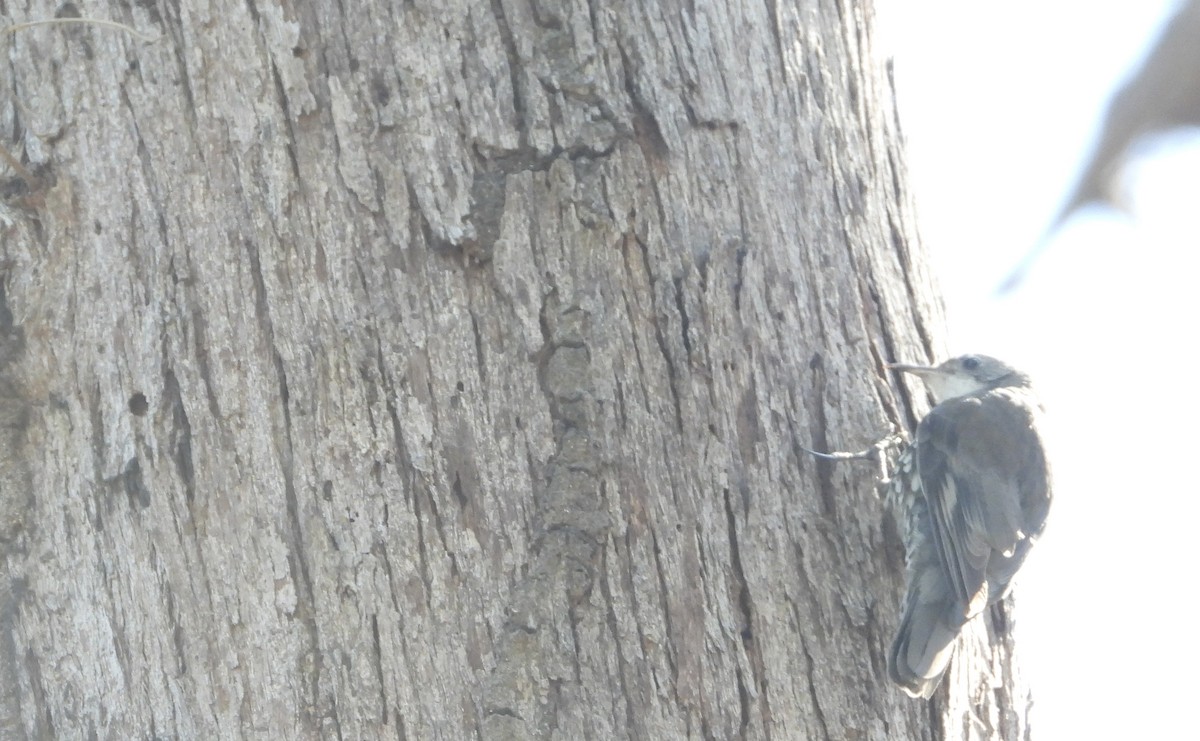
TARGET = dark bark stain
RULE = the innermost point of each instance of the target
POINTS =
(17, 490)
(41, 702)
(181, 434)
(487, 208)
(570, 527)
(204, 363)
(377, 665)
(646, 130)
(135, 484)
(289, 145)
(514, 70)
(745, 604)
(138, 405)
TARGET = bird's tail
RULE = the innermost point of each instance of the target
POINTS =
(925, 640)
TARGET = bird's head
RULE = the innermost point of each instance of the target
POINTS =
(966, 374)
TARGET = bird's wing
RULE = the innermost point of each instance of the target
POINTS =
(981, 466)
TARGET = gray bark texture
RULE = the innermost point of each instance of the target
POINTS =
(436, 370)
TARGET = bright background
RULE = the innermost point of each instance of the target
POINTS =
(1001, 104)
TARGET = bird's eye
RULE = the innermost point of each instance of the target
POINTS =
(970, 362)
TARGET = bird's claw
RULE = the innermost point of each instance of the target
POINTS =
(876, 452)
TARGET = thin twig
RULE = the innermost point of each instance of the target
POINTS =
(88, 21)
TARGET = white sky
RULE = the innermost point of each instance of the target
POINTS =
(1000, 103)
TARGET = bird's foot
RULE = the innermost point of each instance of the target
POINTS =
(877, 452)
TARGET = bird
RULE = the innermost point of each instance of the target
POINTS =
(972, 492)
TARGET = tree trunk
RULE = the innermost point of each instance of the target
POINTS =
(438, 371)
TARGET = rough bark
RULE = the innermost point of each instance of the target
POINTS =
(437, 371)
